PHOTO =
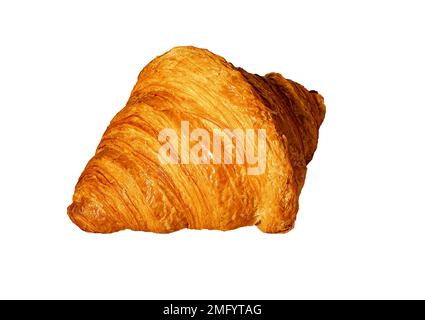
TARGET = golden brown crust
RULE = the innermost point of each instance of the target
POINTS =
(124, 186)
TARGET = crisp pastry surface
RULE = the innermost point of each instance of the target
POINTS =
(124, 186)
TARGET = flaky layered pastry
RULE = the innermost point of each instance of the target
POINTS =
(126, 186)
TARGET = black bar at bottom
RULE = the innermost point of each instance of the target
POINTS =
(211, 309)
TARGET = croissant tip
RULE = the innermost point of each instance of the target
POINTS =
(276, 229)
(86, 215)
(74, 213)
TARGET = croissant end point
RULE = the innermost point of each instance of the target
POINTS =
(89, 217)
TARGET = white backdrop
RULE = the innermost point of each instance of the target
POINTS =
(66, 68)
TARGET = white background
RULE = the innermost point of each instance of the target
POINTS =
(66, 68)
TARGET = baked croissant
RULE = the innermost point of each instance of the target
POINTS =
(129, 185)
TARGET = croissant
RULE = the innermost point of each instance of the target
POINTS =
(201, 144)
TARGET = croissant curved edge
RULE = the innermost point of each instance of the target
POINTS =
(186, 105)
